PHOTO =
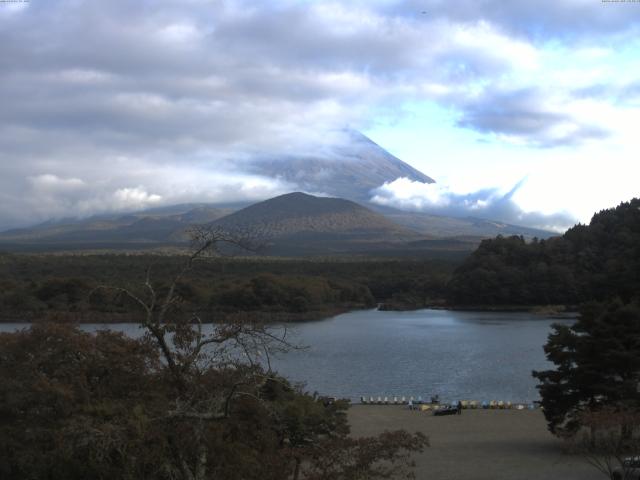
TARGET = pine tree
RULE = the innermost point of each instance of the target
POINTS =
(597, 365)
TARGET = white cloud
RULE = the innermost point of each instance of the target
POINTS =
(483, 39)
(132, 184)
(408, 194)
(179, 32)
(488, 203)
(182, 90)
(135, 198)
(51, 182)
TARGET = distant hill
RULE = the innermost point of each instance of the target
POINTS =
(349, 171)
(291, 224)
(298, 223)
(295, 224)
(297, 212)
(165, 224)
(589, 262)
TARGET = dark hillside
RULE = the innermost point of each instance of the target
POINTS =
(589, 262)
(295, 213)
(297, 224)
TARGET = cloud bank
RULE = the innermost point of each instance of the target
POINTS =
(489, 203)
(119, 104)
(49, 196)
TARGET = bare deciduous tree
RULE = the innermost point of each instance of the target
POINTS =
(235, 353)
(215, 388)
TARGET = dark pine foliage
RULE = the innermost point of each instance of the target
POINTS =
(589, 262)
(597, 362)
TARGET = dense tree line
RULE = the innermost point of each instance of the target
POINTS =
(63, 287)
(589, 262)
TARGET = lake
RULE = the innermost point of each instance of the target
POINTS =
(458, 355)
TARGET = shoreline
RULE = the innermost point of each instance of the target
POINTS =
(553, 311)
(285, 317)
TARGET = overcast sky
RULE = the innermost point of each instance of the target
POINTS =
(120, 105)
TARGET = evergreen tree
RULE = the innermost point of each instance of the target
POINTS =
(597, 365)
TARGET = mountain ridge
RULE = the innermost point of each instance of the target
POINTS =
(288, 222)
(343, 174)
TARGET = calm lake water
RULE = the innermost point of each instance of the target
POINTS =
(458, 355)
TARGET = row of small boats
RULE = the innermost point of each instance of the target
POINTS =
(391, 401)
(421, 404)
(474, 405)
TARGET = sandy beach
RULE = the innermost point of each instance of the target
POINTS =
(479, 444)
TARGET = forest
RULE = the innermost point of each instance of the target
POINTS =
(589, 262)
(64, 287)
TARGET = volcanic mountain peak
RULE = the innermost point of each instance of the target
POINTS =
(349, 170)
